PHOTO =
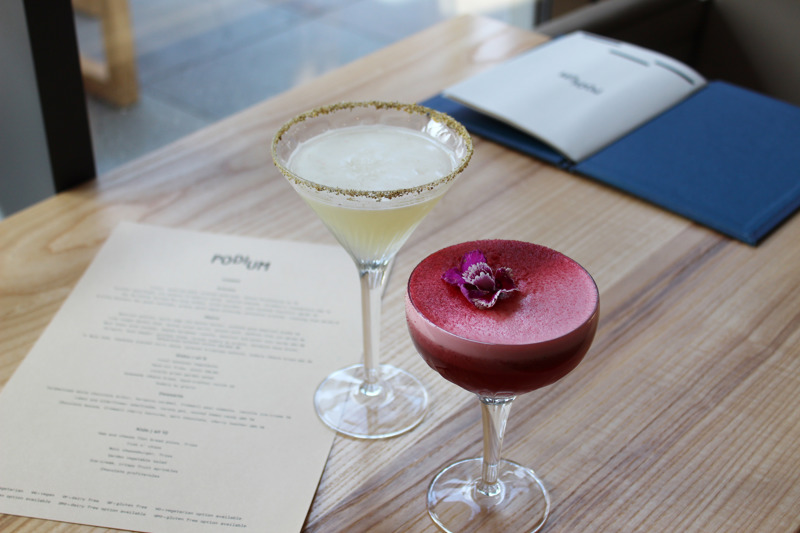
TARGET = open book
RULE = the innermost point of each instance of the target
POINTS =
(579, 93)
(721, 155)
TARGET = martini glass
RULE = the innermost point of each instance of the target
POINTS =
(371, 171)
(530, 339)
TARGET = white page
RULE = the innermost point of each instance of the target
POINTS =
(173, 391)
(580, 92)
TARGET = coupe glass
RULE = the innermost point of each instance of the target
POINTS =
(382, 168)
(529, 340)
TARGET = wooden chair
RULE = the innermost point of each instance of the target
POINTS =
(114, 79)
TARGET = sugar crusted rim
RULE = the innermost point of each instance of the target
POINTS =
(413, 109)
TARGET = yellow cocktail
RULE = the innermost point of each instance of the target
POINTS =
(371, 171)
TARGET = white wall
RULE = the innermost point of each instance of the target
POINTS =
(25, 172)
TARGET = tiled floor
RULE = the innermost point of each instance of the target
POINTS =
(200, 61)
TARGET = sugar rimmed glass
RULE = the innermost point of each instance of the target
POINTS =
(372, 220)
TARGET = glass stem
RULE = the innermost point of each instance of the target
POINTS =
(371, 291)
(494, 413)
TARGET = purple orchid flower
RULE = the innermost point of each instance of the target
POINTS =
(480, 284)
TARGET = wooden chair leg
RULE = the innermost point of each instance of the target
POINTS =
(114, 79)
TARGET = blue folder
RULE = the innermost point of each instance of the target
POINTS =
(726, 157)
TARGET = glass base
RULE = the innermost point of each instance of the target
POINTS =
(396, 405)
(518, 502)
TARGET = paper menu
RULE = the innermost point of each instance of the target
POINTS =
(173, 391)
(579, 92)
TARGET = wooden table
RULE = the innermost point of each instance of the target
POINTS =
(684, 415)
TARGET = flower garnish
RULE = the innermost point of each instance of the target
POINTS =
(480, 284)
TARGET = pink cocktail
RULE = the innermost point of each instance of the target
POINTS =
(534, 334)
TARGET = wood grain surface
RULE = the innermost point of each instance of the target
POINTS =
(683, 416)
